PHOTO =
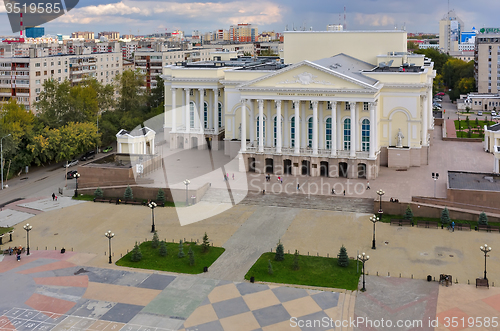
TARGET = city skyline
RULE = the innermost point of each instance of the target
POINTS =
(148, 17)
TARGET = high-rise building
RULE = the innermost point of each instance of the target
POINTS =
(110, 35)
(243, 33)
(450, 28)
(487, 61)
(83, 35)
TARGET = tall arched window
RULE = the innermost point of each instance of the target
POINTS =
(328, 133)
(219, 114)
(275, 130)
(365, 135)
(310, 132)
(205, 115)
(264, 127)
(191, 114)
(292, 132)
(347, 134)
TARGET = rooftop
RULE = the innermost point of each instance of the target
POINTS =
(494, 127)
(348, 66)
(473, 181)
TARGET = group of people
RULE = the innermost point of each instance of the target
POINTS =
(17, 251)
(394, 200)
(268, 179)
(226, 177)
(54, 197)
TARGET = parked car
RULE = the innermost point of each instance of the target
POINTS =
(87, 156)
(71, 174)
(493, 113)
(70, 163)
(440, 93)
(107, 149)
(479, 113)
(438, 99)
(496, 117)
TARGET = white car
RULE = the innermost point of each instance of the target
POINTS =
(496, 117)
(70, 163)
(479, 113)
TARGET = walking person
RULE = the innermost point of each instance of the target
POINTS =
(453, 226)
(53, 196)
(368, 185)
(233, 175)
(298, 186)
(18, 255)
(344, 192)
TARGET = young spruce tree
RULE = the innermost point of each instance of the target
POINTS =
(128, 195)
(205, 245)
(280, 252)
(269, 267)
(445, 216)
(181, 250)
(409, 213)
(136, 253)
(163, 248)
(343, 258)
(155, 242)
(483, 219)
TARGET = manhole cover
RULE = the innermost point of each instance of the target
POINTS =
(440, 254)
(55, 234)
(451, 255)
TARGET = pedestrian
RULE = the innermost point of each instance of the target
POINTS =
(53, 196)
(18, 255)
(279, 178)
(298, 186)
(367, 184)
(333, 191)
(56, 197)
(344, 192)
(453, 226)
(227, 176)
(233, 175)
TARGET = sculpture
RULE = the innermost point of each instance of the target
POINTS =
(399, 139)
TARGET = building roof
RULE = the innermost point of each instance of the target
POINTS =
(142, 132)
(348, 66)
(473, 181)
(494, 127)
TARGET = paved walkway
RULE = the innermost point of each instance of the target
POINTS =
(451, 132)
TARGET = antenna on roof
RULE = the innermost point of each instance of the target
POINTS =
(345, 19)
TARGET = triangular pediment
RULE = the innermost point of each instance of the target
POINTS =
(308, 75)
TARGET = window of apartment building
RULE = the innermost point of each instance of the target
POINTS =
(117, 72)
(65, 70)
(107, 65)
(37, 65)
(58, 63)
(51, 64)
(52, 72)
(102, 73)
(37, 99)
(45, 73)
(65, 62)
(45, 64)
(37, 90)
(37, 82)
(37, 73)
(101, 66)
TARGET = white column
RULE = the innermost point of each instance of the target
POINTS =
(216, 111)
(243, 125)
(270, 125)
(252, 122)
(315, 128)
(278, 126)
(183, 109)
(430, 116)
(425, 126)
(334, 127)
(372, 130)
(303, 128)
(286, 126)
(187, 115)
(174, 110)
(321, 127)
(261, 125)
(201, 121)
(210, 113)
(353, 129)
(297, 127)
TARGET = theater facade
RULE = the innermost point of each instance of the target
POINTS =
(337, 112)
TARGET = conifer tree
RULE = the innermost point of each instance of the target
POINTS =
(163, 248)
(409, 213)
(343, 258)
(128, 195)
(155, 242)
(445, 216)
(160, 198)
(191, 256)
(205, 245)
(181, 250)
(136, 253)
(483, 219)
(295, 265)
(280, 252)
(98, 193)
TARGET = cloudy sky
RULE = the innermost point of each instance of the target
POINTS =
(144, 17)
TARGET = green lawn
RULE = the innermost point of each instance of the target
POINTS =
(314, 271)
(5, 230)
(472, 124)
(464, 134)
(84, 197)
(386, 218)
(151, 259)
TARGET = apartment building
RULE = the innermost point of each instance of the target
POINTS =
(110, 35)
(487, 61)
(22, 77)
(243, 33)
(87, 35)
(450, 27)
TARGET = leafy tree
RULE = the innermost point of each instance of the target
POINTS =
(205, 245)
(160, 197)
(343, 259)
(411, 45)
(181, 250)
(136, 253)
(54, 102)
(409, 213)
(445, 216)
(98, 193)
(269, 267)
(483, 219)
(280, 252)
(437, 57)
(157, 95)
(295, 265)
(128, 193)
(155, 242)
(191, 256)
(163, 249)
(132, 98)
(467, 109)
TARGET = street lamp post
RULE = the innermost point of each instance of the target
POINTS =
(435, 176)
(380, 212)
(152, 205)
(109, 235)
(374, 219)
(363, 258)
(1, 153)
(187, 182)
(486, 249)
(28, 228)
(76, 176)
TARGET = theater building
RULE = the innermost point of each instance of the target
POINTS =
(338, 104)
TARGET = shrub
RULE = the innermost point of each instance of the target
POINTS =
(409, 213)
(136, 253)
(295, 265)
(483, 219)
(343, 259)
(205, 245)
(445, 216)
(181, 250)
(191, 256)
(98, 193)
(155, 242)
(160, 197)
(163, 248)
(269, 267)
(128, 195)
(280, 252)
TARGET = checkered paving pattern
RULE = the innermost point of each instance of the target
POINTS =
(246, 306)
(28, 319)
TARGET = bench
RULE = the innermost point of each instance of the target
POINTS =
(482, 282)
(427, 224)
(401, 222)
(101, 200)
(488, 228)
(132, 202)
(8, 233)
(462, 226)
